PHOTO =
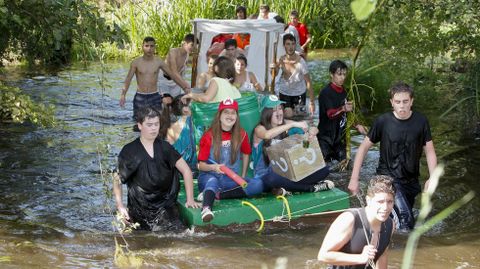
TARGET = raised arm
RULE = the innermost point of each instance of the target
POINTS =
(184, 169)
(357, 164)
(255, 82)
(431, 160)
(128, 80)
(262, 133)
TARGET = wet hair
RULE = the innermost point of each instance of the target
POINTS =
(230, 42)
(226, 68)
(335, 65)
(294, 13)
(266, 121)
(399, 87)
(177, 105)
(146, 112)
(235, 140)
(189, 38)
(266, 7)
(279, 19)
(148, 39)
(242, 58)
(381, 184)
(212, 56)
(149, 112)
(288, 37)
(241, 9)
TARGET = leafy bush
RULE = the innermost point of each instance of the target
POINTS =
(17, 107)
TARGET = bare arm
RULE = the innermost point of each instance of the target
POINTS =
(431, 160)
(308, 81)
(202, 81)
(171, 69)
(128, 80)
(182, 166)
(357, 164)
(254, 81)
(339, 233)
(205, 167)
(245, 160)
(262, 133)
(305, 45)
(382, 262)
(204, 97)
(117, 191)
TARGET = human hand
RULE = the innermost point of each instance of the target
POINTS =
(185, 98)
(273, 65)
(216, 168)
(312, 108)
(190, 203)
(368, 253)
(353, 186)
(348, 106)
(124, 213)
(301, 124)
(122, 101)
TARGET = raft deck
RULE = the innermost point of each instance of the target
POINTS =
(233, 211)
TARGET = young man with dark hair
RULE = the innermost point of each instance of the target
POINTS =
(359, 238)
(146, 69)
(403, 135)
(150, 167)
(176, 60)
(232, 51)
(332, 112)
(302, 30)
(294, 81)
(290, 30)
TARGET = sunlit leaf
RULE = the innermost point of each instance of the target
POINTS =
(362, 8)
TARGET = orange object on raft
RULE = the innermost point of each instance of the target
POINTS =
(238, 179)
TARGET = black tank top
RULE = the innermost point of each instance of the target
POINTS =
(358, 240)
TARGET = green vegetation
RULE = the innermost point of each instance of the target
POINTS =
(17, 107)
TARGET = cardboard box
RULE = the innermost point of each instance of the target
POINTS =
(291, 160)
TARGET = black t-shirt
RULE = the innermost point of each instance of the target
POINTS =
(401, 144)
(152, 183)
(331, 131)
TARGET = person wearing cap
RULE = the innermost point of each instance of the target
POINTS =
(272, 129)
(220, 87)
(224, 143)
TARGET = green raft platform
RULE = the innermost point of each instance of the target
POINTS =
(235, 211)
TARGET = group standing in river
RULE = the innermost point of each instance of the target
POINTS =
(151, 166)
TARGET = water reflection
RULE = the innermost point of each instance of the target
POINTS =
(54, 210)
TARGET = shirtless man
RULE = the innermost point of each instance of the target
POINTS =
(294, 82)
(146, 70)
(231, 50)
(177, 62)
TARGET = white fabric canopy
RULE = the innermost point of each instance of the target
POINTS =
(262, 32)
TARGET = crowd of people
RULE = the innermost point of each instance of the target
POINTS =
(151, 165)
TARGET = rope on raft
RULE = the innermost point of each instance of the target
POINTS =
(262, 219)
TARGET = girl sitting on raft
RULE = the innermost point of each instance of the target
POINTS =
(245, 80)
(225, 143)
(272, 129)
(220, 87)
(180, 132)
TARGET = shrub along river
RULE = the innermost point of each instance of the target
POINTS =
(55, 210)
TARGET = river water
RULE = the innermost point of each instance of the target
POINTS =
(56, 209)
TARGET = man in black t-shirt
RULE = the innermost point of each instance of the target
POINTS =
(333, 108)
(150, 167)
(403, 135)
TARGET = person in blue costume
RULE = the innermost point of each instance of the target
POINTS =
(359, 238)
(272, 129)
(151, 168)
(225, 143)
(180, 132)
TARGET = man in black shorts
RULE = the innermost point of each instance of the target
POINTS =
(403, 135)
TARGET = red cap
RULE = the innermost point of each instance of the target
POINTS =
(228, 103)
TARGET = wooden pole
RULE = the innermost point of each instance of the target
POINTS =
(196, 50)
(267, 50)
(274, 61)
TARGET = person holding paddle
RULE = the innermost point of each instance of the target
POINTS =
(359, 237)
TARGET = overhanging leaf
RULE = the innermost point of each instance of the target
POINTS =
(363, 8)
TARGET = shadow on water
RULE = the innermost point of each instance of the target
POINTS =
(54, 210)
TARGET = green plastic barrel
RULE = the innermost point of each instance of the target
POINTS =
(203, 114)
